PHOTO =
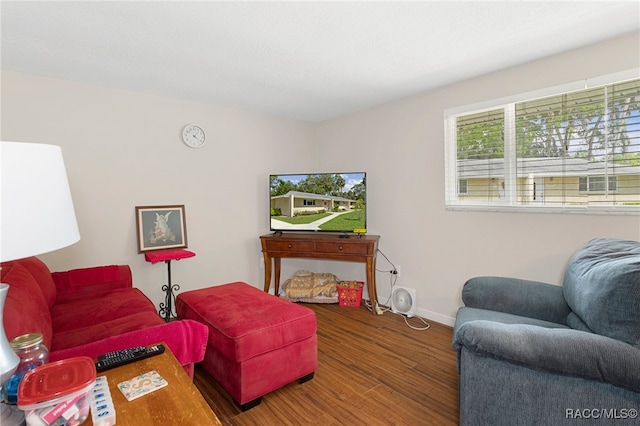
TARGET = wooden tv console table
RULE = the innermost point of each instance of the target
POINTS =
(356, 248)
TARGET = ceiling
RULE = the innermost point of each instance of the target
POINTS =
(306, 60)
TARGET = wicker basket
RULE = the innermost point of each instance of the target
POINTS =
(350, 293)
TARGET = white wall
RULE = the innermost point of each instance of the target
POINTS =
(123, 149)
(401, 146)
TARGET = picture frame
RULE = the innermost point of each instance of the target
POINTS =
(161, 227)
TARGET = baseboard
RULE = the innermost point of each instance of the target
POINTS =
(424, 313)
(437, 317)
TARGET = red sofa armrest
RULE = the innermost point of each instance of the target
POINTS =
(187, 340)
(88, 282)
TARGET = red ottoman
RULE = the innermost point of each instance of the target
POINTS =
(257, 342)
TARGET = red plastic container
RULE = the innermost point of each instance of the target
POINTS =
(58, 389)
(350, 296)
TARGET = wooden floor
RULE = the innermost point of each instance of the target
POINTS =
(372, 370)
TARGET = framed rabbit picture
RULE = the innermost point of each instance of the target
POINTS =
(160, 227)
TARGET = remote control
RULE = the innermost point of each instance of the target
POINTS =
(122, 353)
(126, 356)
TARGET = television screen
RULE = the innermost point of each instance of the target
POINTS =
(331, 202)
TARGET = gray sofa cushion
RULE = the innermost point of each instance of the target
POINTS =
(602, 287)
(554, 350)
(466, 315)
(524, 298)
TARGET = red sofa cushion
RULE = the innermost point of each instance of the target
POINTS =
(42, 275)
(87, 283)
(103, 329)
(26, 302)
(80, 313)
(245, 322)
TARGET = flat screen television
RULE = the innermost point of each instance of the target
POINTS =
(325, 202)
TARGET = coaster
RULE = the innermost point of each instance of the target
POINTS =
(142, 385)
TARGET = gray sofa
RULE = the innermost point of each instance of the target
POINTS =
(531, 353)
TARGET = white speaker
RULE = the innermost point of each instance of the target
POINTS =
(403, 301)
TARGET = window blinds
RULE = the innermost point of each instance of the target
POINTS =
(572, 150)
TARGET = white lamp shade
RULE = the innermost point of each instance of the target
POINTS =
(37, 214)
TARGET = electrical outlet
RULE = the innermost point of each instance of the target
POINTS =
(396, 271)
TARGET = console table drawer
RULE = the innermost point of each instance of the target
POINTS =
(292, 246)
(337, 247)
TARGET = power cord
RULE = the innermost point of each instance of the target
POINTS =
(393, 280)
(420, 328)
(382, 308)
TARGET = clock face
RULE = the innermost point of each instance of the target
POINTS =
(193, 136)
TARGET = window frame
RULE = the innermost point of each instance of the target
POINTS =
(510, 203)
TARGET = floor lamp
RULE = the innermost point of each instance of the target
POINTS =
(36, 217)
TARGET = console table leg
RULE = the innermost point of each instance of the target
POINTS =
(276, 275)
(371, 285)
(267, 272)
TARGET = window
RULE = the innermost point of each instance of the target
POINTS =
(596, 184)
(463, 186)
(569, 150)
(309, 202)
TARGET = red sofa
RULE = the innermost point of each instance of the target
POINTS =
(91, 311)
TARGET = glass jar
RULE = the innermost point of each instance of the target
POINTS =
(31, 351)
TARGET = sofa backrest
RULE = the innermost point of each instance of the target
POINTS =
(602, 288)
(31, 294)
(42, 275)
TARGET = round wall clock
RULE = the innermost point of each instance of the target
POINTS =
(193, 136)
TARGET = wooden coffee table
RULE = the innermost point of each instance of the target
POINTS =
(179, 403)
